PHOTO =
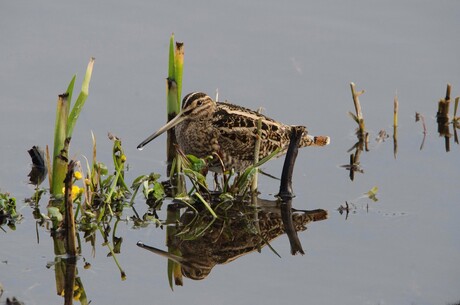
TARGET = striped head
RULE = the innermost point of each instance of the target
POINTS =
(197, 105)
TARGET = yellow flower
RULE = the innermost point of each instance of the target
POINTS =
(76, 191)
(123, 158)
(77, 175)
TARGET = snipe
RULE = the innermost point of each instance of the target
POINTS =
(204, 127)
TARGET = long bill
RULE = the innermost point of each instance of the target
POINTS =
(176, 120)
(162, 253)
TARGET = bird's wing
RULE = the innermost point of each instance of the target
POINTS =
(237, 128)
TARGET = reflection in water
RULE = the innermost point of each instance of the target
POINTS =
(201, 241)
(361, 134)
(354, 165)
(443, 119)
(420, 117)
(39, 170)
(68, 283)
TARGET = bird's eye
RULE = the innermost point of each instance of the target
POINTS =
(199, 103)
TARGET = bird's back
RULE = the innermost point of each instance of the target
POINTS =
(237, 132)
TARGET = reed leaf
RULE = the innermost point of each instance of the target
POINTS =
(171, 62)
(206, 204)
(69, 92)
(80, 102)
(171, 98)
(179, 68)
(59, 165)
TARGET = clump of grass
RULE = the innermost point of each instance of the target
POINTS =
(64, 126)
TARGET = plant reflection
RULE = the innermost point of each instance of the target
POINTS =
(443, 119)
(355, 165)
(68, 284)
(361, 134)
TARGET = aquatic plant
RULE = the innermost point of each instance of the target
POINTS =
(64, 125)
(8, 214)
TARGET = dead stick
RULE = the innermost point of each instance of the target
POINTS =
(359, 113)
(69, 215)
(448, 90)
(356, 95)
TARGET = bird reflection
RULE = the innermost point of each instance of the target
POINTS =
(204, 242)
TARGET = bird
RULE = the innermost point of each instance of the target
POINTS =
(205, 127)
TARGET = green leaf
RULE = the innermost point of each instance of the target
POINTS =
(70, 92)
(80, 102)
(171, 62)
(173, 105)
(102, 168)
(158, 191)
(206, 204)
(179, 68)
(138, 181)
(59, 165)
(54, 214)
(196, 164)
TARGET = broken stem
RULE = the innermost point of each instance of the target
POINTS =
(359, 114)
(256, 160)
(395, 126)
(69, 214)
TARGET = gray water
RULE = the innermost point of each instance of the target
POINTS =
(294, 59)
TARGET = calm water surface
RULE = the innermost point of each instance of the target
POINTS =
(296, 60)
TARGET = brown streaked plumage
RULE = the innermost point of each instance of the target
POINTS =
(205, 127)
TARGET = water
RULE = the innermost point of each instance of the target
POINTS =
(296, 60)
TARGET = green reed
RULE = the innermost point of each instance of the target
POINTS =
(64, 126)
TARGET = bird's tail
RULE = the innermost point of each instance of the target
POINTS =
(309, 140)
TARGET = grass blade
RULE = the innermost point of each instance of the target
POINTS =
(206, 204)
(80, 102)
(171, 62)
